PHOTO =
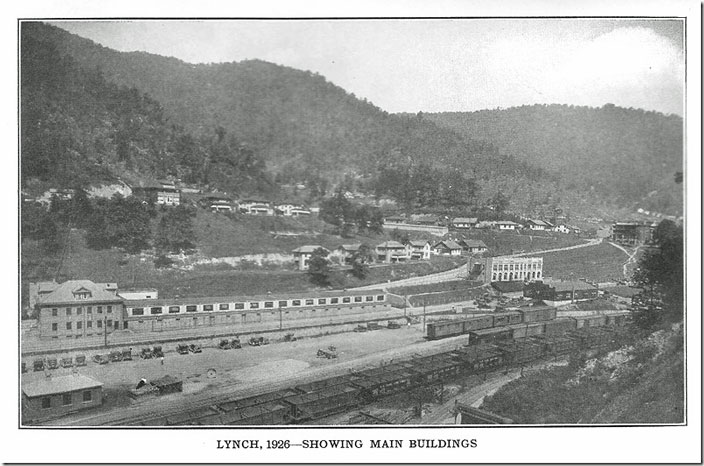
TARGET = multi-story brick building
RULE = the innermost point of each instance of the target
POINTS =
(506, 269)
(80, 308)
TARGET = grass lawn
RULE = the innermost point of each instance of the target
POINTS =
(509, 242)
(602, 262)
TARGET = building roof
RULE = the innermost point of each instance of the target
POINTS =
(474, 243)
(537, 222)
(308, 249)
(449, 244)
(64, 293)
(569, 285)
(238, 299)
(350, 247)
(391, 245)
(418, 242)
(61, 384)
(465, 220)
(508, 287)
(396, 217)
(506, 222)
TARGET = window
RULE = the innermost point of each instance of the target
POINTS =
(191, 308)
(310, 302)
(79, 311)
(66, 399)
(124, 325)
(207, 307)
(346, 300)
(296, 302)
(322, 301)
(357, 299)
(224, 307)
(100, 309)
(79, 325)
(334, 300)
(174, 309)
(254, 305)
(54, 327)
(68, 325)
(268, 303)
(239, 305)
(54, 312)
(283, 303)
(46, 402)
(89, 310)
(89, 324)
(109, 324)
(100, 323)
(109, 308)
(380, 297)
(369, 298)
(87, 396)
(138, 311)
(155, 310)
(68, 311)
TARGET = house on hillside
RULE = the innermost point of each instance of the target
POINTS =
(394, 220)
(302, 255)
(562, 228)
(464, 222)
(536, 225)
(506, 225)
(217, 202)
(344, 252)
(393, 251)
(420, 249)
(158, 192)
(472, 246)
(427, 220)
(447, 248)
(632, 233)
(256, 206)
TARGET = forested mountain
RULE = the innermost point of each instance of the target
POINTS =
(300, 125)
(629, 155)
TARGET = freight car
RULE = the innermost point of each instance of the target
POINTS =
(311, 401)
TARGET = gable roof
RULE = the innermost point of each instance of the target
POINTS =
(350, 247)
(537, 222)
(449, 244)
(473, 243)
(308, 248)
(506, 222)
(64, 293)
(465, 220)
(391, 245)
(418, 242)
(61, 384)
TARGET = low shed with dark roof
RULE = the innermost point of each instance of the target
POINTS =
(51, 397)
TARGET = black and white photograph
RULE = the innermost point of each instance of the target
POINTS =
(340, 238)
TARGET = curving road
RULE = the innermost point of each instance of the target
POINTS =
(462, 272)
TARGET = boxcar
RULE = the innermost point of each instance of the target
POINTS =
(322, 403)
(490, 335)
(520, 351)
(559, 326)
(445, 329)
(527, 330)
(478, 323)
(507, 318)
(590, 321)
(538, 314)
(617, 318)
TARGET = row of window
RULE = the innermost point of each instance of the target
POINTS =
(511, 276)
(156, 310)
(79, 325)
(79, 310)
(67, 399)
(506, 267)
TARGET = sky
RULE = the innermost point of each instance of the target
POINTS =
(439, 65)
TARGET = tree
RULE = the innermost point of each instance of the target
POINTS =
(361, 259)
(175, 230)
(319, 267)
(660, 275)
(499, 202)
(336, 210)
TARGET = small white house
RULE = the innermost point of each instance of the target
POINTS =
(536, 225)
(506, 225)
(393, 251)
(447, 248)
(420, 249)
(302, 255)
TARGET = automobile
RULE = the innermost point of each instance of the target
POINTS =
(182, 349)
(146, 353)
(258, 341)
(393, 325)
(38, 365)
(224, 344)
(81, 360)
(101, 359)
(115, 356)
(193, 348)
(157, 352)
(66, 362)
(127, 355)
(235, 343)
(52, 363)
(360, 329)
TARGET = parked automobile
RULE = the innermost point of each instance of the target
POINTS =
(182, 349)
(193, 348)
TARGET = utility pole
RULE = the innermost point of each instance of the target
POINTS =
(423, 314)
(105, 330)
(281, 318)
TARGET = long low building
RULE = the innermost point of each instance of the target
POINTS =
(81, 308)
(151, 315)
(56, 396)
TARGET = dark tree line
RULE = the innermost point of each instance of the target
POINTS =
(346, 216)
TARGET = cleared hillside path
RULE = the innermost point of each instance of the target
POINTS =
(462, 271)
(631, 257)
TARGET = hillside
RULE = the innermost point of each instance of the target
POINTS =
(629, 155)
(301, 126)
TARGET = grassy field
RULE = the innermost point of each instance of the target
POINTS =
(454, 285)
(602, 262)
